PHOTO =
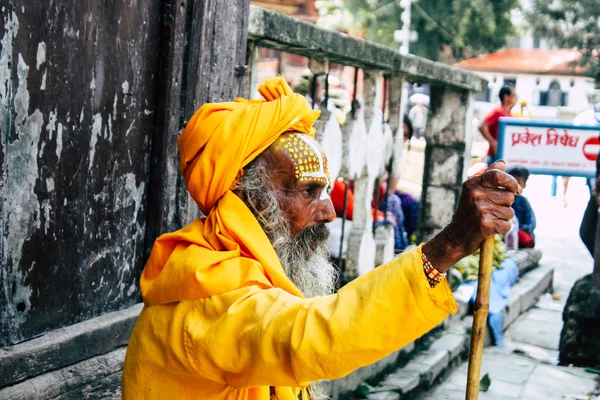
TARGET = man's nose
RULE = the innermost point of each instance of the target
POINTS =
(325, 212)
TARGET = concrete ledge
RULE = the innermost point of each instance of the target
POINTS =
(429, 364)
(94, 378)
(66, 346)
(526, 259)
(526, 293)
(275, 30)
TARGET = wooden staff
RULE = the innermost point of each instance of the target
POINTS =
(482, 305)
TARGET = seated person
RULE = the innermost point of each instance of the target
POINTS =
(523, 210)
(390, 212)
(410, 208)
(410, 203)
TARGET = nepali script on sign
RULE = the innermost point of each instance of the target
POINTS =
(550, 148)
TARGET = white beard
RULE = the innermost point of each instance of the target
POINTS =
(304, 257)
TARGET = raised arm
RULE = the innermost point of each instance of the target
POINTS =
(268, 337)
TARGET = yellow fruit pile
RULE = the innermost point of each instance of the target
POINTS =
(469, 266)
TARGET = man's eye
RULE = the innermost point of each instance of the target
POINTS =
(313, 191)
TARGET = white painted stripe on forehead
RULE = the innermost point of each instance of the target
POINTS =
(318, 174)
(321, 173)
(317, 151)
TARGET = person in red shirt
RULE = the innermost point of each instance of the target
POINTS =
(489, 127)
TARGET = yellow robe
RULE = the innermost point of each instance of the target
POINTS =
(237, 344)
(221, 318)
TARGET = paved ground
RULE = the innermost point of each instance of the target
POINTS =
(526, 367)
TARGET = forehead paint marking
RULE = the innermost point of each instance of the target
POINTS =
(316, 151)
(324, 195)
(309, 162)
(322, 173)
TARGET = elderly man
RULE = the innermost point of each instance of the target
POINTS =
(240, 304)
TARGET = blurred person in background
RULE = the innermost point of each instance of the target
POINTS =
(407, 129)
(523, 210)
(489, 126)
(418, 117)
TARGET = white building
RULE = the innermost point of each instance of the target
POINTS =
(546, 79)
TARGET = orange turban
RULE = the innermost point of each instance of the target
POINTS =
(222, 138)
(228, 249)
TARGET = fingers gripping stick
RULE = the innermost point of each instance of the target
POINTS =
(492, 180)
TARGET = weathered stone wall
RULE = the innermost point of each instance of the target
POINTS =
(77, 102)
(92, 97)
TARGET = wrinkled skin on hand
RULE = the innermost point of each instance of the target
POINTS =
(484, 209)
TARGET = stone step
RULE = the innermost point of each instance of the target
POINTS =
(444, 353)
(67, 346)
(95, 378)
(449, 350)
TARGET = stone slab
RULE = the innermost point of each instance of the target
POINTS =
(453, 320)
(94, 378)
(534, 352)
(353, 380)
(419, 368)
(429, 364)
(537, 327)
(404, 380)
(67, 346)
(526, 259)
(384, 395)
(526, 293)
(452, 343)
(553, 382)
(501, 365)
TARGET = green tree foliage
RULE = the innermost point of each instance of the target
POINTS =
(467, 27)
(570, 24)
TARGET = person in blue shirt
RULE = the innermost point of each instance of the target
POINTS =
(523, 210)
